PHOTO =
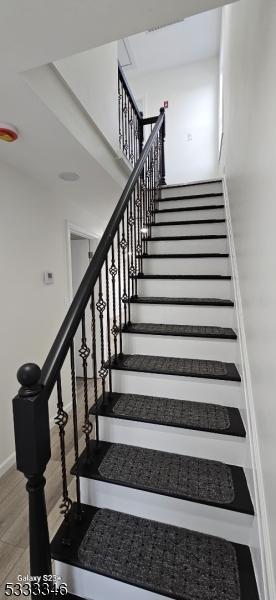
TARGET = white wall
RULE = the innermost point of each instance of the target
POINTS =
(249, 161)
(93, 77)
(33, 238)
(192, 93)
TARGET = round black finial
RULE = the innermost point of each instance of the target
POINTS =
(29, 375)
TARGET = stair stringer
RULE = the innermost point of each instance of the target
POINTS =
(260, 545)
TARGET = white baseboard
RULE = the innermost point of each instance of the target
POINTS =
(262, 558)
(7, 464)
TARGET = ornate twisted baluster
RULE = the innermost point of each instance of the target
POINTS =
(132, 270)
(113, 272)
(84, 353)
(108, 324)
(123, 244)
(119, 289)
(94, 362)
(61, 421)
(101, 306)
(75, 426)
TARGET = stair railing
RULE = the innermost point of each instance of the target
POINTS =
(130, 120)
(100, 310)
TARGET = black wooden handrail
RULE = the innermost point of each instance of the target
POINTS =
(61, 345)
(108, 286)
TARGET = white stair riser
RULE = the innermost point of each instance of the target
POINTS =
(179, 203)
(184, 246)
(190, 215)
(227, 393)
(97, 587)
(183, 315)
(212, 446)
(228, 524)
(187, 266)
(196, 229)
(189, 190)
(182, 347)
(194, 288)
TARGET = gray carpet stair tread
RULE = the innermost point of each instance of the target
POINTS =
(164, 559)
(181, 301)
(184, 477)
(202, 331)
(186, 367)
(185, 414)
(174, 562)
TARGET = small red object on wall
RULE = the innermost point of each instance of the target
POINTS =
(166, 104)
(8, 133)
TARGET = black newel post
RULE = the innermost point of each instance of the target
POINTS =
(163, 135)
(32, 443)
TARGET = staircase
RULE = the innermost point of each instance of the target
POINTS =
(162, 508)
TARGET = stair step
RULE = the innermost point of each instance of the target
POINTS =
(185, 367)
(161, 276)
(193, 222)
(181, 301)
(184, 414)
(223, 333)
(192, 197)
(187, 208)
(163, 559)
(187, 237)
(189, 255)
(186, 477)
(192, 184)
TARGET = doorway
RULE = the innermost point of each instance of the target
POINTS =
(82, 249)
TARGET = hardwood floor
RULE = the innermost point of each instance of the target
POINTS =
(14, 550)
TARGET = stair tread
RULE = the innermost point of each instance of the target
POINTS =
(192, 222)
(202, 331)
(181, 301)
(185, 414)
(187, 237)
(180, 476)
(161, 276)
(167, 365)
(188, 255)
(189, 208)
(168, 560)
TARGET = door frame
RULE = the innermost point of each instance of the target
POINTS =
(72, 228)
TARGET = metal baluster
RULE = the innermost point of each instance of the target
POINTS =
(120, 110)
(101, 305)
(75, 427)
(135, 242)
(128, 262)
(113, 272)
(119, 290)
(61, 421)
(94, 363)
(132, 271)
(108, 324)
(84, 353)
(123, 244)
